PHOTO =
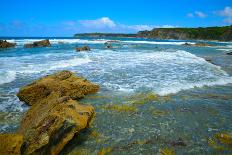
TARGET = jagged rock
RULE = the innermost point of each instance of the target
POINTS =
(63, 83)
(10, 144)
(42, 43)
(84, 48)
(230, 53)
(54, 117)
(5, 44)
(49, 125)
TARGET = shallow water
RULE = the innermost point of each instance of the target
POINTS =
(154, 94)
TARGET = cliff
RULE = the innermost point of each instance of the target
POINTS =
(208, 33)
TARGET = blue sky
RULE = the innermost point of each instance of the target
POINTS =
(67, 17)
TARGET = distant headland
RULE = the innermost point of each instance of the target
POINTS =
(201, 33)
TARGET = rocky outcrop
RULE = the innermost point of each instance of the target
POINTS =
(10, 144)
(42, 43)
(48, 126)
(84, 48)
(5, 44)
(108, 45)
(230, 53)
(54, 117)
(58, 85)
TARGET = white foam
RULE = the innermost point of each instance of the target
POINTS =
(7, 76)
(224, 49)
(96, 41)
(162, 72)
(158, 42)
(53, 65)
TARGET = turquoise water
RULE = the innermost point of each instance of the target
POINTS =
(173, 94)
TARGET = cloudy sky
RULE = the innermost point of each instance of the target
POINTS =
(67, 17)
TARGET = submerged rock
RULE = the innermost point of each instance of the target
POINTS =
(230, 53)
(84, 48)
(42, 43)
(48, 126)
(10, 144)
(5, 44)
(63, 83)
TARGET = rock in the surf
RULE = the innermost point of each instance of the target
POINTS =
(42, 43)
(230, 53)
(10, 144)
(6, 44)
(57, 85)
(84, 48)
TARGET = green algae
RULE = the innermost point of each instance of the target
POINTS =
(221, 141)
(120, 108)
(167, 151)
(143, 98)
(105, 151)
(157, 112)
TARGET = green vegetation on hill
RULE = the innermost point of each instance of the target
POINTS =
(104, 35)
(208, 33)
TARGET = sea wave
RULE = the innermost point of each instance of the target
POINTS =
(96, 41)
(161, 72)
(7, 76)
(158, 42)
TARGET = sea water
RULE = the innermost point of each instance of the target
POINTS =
(181, 96)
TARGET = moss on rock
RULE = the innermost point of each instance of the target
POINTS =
(10, 144)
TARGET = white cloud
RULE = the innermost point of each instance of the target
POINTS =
(197, 14)
(190, 15)
(227, 13)
(200, 14)
(103, 22)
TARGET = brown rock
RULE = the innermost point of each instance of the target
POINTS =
(5, 44)
(10, 144)
(63, 83)
(48, 126)
(54, 118)
(84, 48)
(42, 43)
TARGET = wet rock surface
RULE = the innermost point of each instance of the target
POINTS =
(5, 44)
(47, 127)
(84, 48)
(10, 144)
(42, 43)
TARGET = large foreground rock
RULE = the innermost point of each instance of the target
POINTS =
(48, 126)
(5, 44)
(10, 144)
(42, 43)
(54, 117)
(64, 83)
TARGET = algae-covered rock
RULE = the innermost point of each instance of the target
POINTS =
(42, 43)
(63, 83)
(5, 44)
(10, 144)
(47, 127)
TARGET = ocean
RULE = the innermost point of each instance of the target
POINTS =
(154, 93)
